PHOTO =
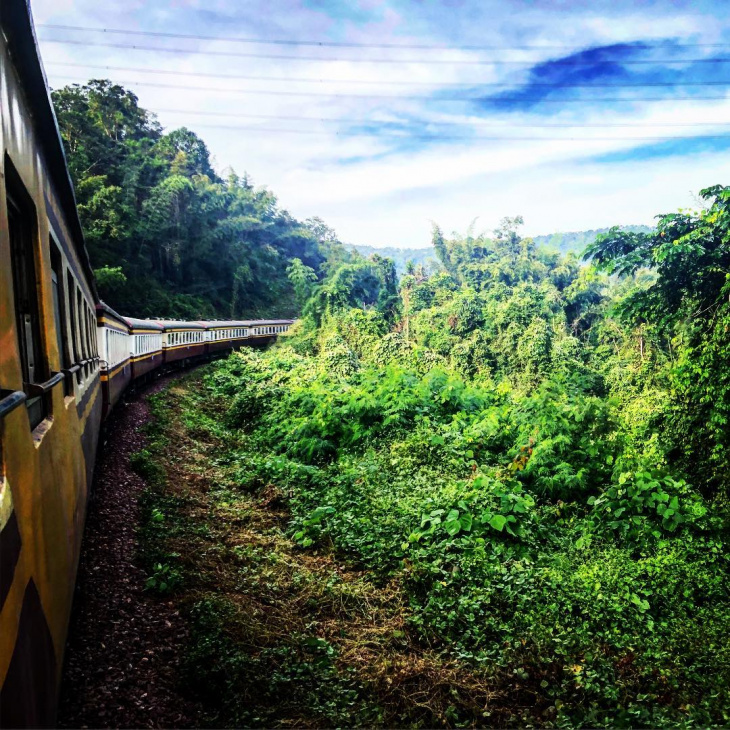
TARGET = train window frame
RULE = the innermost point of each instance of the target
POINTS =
(58, 290)
(26, 274)
(81, 327)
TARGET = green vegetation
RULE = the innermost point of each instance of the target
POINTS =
(166, 235)
(531, 453)
(564, 243)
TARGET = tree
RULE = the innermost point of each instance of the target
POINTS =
(189, 243)
(302, 278)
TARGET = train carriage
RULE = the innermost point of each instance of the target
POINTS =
(265, 331)
(50, 400)
(182, 341)
(65, 360)
(223, 337)
(146, 346)
(114, 344)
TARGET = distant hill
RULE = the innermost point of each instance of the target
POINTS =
(400, 255)
(575, 241)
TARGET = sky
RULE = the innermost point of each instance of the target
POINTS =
(383, 116)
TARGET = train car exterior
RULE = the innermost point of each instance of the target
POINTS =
(114, 343)
(223, 337)
(65, 360)
(182, 341)
(50, 398)
(146, 346)
(265, 331)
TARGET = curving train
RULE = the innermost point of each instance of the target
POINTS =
(65, 360)
(131, 349)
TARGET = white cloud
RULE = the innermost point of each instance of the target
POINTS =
(364, 189)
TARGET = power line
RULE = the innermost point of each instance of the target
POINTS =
(464, 138)
(324, 94)
(430, 61)
(337, 44)
(477, 122)
(435, 84)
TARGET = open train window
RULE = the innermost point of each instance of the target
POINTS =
(22, 231)
(92, 327)
(82, 324)
(59, 306)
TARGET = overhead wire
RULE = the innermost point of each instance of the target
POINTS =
(476, 122)
(435, 84)
(430, 61)
(406, 134)
(465, 138)
(349, 44)
(327, 94)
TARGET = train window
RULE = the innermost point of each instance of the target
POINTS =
(89, 331)
(92, 328)
(73, 342)
(59, 306)
(82, 324)
(21, 227)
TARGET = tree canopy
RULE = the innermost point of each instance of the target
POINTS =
(167, 235)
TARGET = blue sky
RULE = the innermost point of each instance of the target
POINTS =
(573, 114)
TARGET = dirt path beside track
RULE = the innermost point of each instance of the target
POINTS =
(124, 647)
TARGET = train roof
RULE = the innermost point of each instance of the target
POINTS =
(16, 21)
(212, 324)
(176, 324)
(102, 308)
(143, 324)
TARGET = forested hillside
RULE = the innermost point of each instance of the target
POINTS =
(166, 235)
(496, 494)
(574, 241)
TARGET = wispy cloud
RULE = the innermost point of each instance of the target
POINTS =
(506, 124)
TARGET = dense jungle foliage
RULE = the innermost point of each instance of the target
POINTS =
(533, 450)
(166, 235)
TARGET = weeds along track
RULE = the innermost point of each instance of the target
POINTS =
(235, 617)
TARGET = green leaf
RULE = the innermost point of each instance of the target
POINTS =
(498, 522)
(453, 527)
